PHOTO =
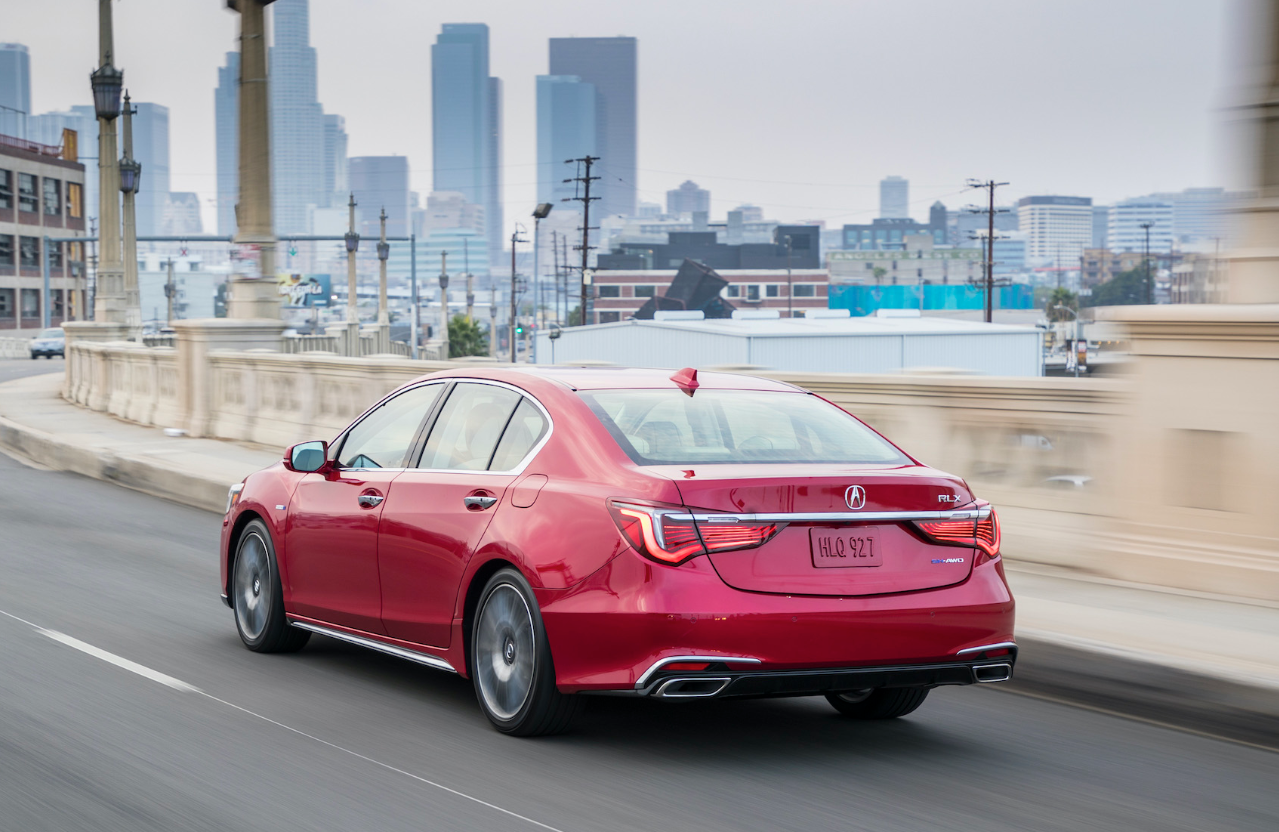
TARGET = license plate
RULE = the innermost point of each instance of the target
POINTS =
(845, 547)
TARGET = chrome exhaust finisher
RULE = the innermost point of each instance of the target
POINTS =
(993, 672)
(691, 687)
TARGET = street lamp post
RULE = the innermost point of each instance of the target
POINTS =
(130, 180)
(107, 83)
(444, 306)
(539, 213)
(383, 314)
(352, 240)
(790, 306)
(1064, 308)
(1150, 280)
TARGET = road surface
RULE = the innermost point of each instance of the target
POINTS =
(11, 368)
(128, 703)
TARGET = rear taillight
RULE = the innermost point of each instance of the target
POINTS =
(671, 535)
(980, 534)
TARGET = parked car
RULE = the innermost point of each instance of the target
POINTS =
(554, 532)
(48, 343)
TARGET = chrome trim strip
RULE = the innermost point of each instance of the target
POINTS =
(1003, 645)
(390, 649)
(662, 694)
(836, 516)
(660, 663)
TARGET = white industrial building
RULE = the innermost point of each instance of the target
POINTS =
(818, 343)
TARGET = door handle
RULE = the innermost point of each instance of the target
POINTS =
(370, 500)
(478, 502)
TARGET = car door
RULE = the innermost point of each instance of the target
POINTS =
(438, 511)
(333, 519)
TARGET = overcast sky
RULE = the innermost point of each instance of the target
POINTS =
(801, 107)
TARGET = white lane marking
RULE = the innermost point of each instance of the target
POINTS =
(178, 684)
(118, 661)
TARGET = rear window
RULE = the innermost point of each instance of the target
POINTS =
(667, 427)
(51, 333)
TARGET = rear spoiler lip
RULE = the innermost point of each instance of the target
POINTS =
(979, 513)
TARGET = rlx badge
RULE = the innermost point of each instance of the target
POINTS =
(855, 496)
(947, 498)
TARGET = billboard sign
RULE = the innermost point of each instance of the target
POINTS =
(306, 290)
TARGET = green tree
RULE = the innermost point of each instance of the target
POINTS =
(879, 272)
(1058, 297)
(466, 338)
(575, 316)
(1124, 288)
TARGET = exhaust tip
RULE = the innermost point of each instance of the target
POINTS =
(691, 688)
(993, 672)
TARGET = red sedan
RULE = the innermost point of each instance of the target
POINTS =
(556, 532)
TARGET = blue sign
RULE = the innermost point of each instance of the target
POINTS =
(306, 290)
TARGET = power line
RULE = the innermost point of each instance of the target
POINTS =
(990, 211)
(586, 199)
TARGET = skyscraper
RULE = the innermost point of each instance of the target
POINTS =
(688, 199)
(151, 148)
(335, 161)
(15, 89)
(297, 121)
(610, 65)
(226, 108)
(1057, 228)
(466, 124)
(380, 182)
(1125, 232)
(894, 198)
(566, 122)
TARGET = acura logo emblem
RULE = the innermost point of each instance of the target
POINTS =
(855, 496)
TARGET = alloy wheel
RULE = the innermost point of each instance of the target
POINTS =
(252, 588)
(505, 651)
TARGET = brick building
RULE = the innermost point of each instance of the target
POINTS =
(620, 293)
(41, 195)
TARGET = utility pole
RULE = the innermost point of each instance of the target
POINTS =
(510, 331)
(444, 306)
(170, 289)
(790, 291)
(470, 281)
(1150, 280)
(564, 283)
(990, 186)
(586, 199)
(555, 275)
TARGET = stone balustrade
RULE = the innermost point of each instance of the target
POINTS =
(1161, 475)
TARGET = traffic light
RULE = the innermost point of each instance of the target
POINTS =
(519, 329)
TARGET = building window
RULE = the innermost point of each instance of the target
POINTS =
(772, 290)
(75, 200)
(6, 249)
(610, 291)
(869, 265)
(6, 189)
(6, 303)
(29, 252)
(805, 290)
(30, 303)
(52, 197)
(752, 291)
(645, 291)
(919, 273)
(731, 291)
(55, 255)
(28, 198)
(610, 317)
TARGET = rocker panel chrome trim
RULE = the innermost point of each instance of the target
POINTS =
(390, 649)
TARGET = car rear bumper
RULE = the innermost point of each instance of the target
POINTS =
(610, 632)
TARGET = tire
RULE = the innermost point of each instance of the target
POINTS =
(256, 596)
(879, 703)
(511, 663)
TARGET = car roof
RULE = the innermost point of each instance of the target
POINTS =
(615, 378)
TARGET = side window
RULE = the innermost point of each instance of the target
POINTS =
(383, 438)
(468, 428)
(525, 430)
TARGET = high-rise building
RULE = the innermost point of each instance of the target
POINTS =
(1057, 228)
(151, 148)
(566, 122)
(335, 161)
(1197, 213)
(226, 111)
(688, 199)
(466, 126)
(1127, 218)
(182, 215)
(894, 198)
(1100, 225)
(15, 89)
(610, 65)
(297, 121)
(381, 182)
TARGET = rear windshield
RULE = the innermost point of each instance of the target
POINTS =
(51, 333)
(667, 427)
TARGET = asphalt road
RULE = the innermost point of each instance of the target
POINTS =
(11, 368)
(202, 734)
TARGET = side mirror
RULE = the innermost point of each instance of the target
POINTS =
(307, 457)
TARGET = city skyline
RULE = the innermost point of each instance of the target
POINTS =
(805, 173)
